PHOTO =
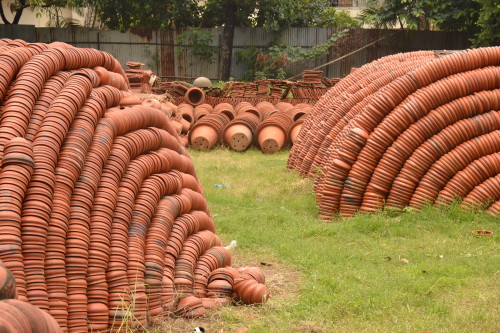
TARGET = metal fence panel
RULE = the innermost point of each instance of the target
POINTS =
(160, 52)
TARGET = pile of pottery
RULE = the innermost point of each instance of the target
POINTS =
(103, 222)
(409, 129)
(312, 76)
(139, 79)
(269, 127)
(185, 91)
(19, 316)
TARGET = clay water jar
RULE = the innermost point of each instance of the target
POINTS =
(204, 137)
(271, 139)
(239, 137)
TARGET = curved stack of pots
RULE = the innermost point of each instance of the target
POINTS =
(407, 129)
(19, 316)
(102, 217)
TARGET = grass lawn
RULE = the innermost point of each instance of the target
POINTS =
(411, 272)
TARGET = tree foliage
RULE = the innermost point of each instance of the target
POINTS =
(198, 43)
(125, 14)
(271, 14)
(332, 18)
(479, 18)
(52, 8)
(456, 15)
(488, 24)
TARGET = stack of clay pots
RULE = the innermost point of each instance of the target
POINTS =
(238, 133)
(409, 129)
(298, 113)
(185, 116)
(19, 316)
(103, 222)
(202, 110)
(274, 132)
(267, 126)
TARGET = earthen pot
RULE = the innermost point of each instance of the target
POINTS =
(271, 139)
(204, 137)
(239, 137)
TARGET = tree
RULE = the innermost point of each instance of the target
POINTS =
(488, 24)
(16, 7)
(270, 14)
(332, 18)
(157, 14)
(52, 7)
(450, 15)
(479, 18)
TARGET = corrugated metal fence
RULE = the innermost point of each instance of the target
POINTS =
(160, 51)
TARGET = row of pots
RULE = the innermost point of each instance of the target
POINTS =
(267, 126)
(396, 131)
(102, 216)
(236, 127)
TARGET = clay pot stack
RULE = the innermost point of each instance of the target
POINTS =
(239, 127)
(102, 216)
(208, 131)
(139, 79)
(202, 110)
(274, 133)
(298, 113)
(185, 116)
(311, 76)
(239, 132)
(409, 129)
(19, 316)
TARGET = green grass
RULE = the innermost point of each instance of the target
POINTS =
(348, 276)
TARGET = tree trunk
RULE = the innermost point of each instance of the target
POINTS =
(2, 14)
(17, 16)
(226, 47)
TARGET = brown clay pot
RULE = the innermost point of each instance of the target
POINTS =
(204, 138)
(239, 137)
(271, 139)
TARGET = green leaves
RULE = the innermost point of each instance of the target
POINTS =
(125, 14)
(488, 23)
(197, 42)
(480, 18)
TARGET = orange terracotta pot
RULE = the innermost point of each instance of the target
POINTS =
(204, 138)
(271, 139)
(294, 133)
(239, 137)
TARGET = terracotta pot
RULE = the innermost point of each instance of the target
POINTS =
(294, 133)
(195, 96)
(271, 139)
(204, 138)
(238, 137)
